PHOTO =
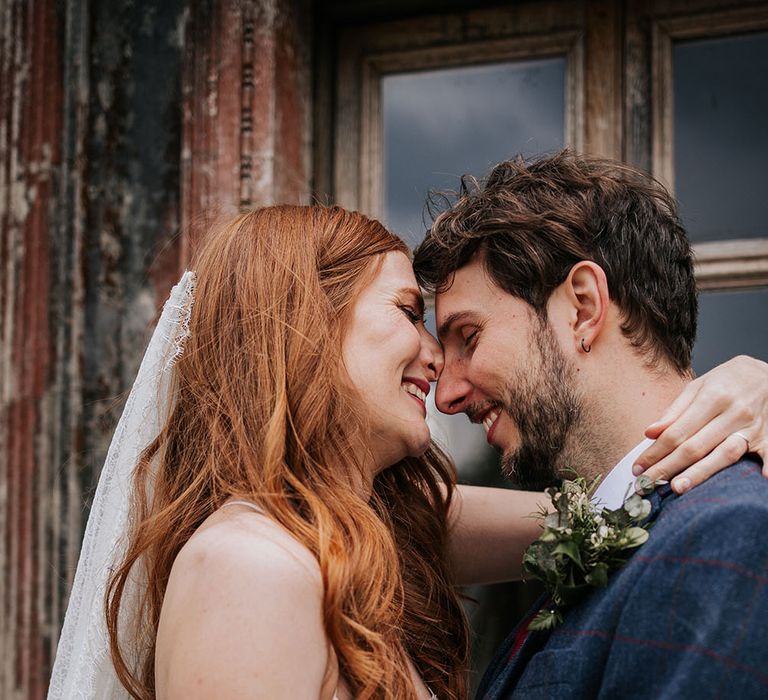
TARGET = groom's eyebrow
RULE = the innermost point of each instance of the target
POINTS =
(445, 326)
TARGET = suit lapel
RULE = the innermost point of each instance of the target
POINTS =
(506, 668)
(657, 499)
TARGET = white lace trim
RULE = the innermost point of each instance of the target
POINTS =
(183, 309)
(83, 667)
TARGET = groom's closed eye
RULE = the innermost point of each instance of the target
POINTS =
(448, 325)
(469, 335)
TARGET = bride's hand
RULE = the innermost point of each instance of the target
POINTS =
(717, 419)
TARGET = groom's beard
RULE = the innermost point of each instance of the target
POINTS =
(542, 400)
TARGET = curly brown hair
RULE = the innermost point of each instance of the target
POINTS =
(532, 221)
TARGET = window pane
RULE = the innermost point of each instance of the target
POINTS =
(721, 136)
(731, 323)
(441, 124)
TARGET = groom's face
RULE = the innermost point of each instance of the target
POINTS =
(505, 369)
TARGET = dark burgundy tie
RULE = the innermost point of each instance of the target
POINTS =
(522, 631)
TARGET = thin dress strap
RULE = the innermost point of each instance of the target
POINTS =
(247, 504)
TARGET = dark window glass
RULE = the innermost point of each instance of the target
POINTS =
(721, 136)
(731, 323)
(440, 124)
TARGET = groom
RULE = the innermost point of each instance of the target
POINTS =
(566, 307)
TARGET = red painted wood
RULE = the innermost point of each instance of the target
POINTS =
(69, 252)
(30, 154)
(246, 111)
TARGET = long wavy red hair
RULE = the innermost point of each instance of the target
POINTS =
(262, 412)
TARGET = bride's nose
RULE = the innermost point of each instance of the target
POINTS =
(431, 356)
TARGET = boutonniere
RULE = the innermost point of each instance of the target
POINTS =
(582, 543)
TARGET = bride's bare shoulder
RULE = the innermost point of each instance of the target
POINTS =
(238, 539)
(243, 603)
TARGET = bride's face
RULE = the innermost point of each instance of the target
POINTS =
(391, 358)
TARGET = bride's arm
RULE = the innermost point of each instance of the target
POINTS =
(490, 530)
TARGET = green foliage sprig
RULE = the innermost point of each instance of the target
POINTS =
(582, 543)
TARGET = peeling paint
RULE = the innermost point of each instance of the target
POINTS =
(88, 195)
(104, 91)
(148, 122)
(177, 37)
(19, 202)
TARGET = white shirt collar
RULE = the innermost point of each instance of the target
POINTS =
(614, 487)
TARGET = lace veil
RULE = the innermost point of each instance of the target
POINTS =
(83, 666)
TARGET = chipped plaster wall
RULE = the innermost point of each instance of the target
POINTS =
(121, 125)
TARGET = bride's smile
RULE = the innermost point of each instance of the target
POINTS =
(390, 358)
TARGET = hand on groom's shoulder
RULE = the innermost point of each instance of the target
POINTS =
(686, 617)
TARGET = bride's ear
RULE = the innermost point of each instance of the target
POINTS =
(586, 289)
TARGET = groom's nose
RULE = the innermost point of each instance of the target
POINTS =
(452, 390)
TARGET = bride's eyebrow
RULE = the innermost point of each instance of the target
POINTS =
(416, 295)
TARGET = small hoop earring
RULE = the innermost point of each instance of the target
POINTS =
(585, 349)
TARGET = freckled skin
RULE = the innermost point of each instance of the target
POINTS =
(384, 344)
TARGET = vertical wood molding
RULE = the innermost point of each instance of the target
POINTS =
(576, 122)
(293, 103)
(347, 124)
(636, 93)
(662, 99)
(247, 110)
(209, 169)
(30, 152)
(603, 79)
(65, 517)
(371, 158)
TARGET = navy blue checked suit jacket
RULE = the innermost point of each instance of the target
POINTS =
(687, 617)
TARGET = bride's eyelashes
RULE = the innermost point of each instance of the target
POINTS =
(411, 314)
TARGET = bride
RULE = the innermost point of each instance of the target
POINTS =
(272, 519)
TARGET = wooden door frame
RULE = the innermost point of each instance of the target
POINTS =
(527, 30)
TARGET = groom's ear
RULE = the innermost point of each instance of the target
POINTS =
(586, 291)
